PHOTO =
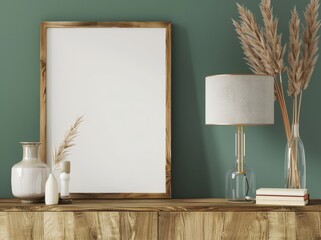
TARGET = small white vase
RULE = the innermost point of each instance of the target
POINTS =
(51, 197)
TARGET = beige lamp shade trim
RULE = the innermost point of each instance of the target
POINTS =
(239, 100)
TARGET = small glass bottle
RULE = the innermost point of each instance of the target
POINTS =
(295, 164)
(240, 180)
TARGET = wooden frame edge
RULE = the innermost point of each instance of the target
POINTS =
(62, 24)
(43, 111)
(168, 110)
(43, 86)
(104, 196)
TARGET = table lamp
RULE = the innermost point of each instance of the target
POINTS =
(240, 100)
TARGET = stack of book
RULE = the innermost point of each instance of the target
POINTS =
(282, 196)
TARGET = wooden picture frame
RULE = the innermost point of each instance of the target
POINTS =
(54, 56)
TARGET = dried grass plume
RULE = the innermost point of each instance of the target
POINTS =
(310, 41)
(262, 47)
(273, 39)
(264, 52)
(294, 70)
(63, 150)
(253, 42)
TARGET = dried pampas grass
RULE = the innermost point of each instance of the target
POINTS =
(294, 70)
(264, 52)
(263, 49)
(251, 57)
(274, 41)
(256, 51)
(303, 53)
(63, 150)
(310, 41)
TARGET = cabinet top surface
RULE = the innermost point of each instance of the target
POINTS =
(155, 205)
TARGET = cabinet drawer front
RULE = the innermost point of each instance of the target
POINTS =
(21, 225)
(102, 225)
(239, 225)
(78, 225)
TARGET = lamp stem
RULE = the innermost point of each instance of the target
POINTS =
(240, 148)
(238, 144)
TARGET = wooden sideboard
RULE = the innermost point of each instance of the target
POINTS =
(190, 219)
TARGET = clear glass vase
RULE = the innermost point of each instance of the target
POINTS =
(295, 164)
(240, 180)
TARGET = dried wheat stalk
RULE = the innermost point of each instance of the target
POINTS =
(302, 59)
(274, 42)
(250, 33)
(294, 70)
(63, 150)
(251, 57)
(310, 41)
(272, 38)
(263, 49)
(301, 66)
(264, 54)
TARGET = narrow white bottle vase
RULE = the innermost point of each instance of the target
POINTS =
(51, 197)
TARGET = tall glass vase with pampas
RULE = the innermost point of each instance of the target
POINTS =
(302, 59)
(264, 53)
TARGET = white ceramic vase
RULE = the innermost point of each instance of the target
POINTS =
(28, 177)
(52, 195)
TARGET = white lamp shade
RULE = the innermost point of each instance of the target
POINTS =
(239, 100)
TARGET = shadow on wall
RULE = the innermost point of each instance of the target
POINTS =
(190, 171)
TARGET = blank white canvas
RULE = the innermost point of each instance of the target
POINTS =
(116, 77)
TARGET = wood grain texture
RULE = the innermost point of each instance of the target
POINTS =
(43, 84)
(281, 224)
(154, 205)
(71, 24)
(105, 196)
(58, 225)
(308, 225)
(115, 225)
(177, 219)
(239, 225)
(168, 110)
(21, 225)
(78, 225)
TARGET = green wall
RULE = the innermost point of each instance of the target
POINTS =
(204, 43)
